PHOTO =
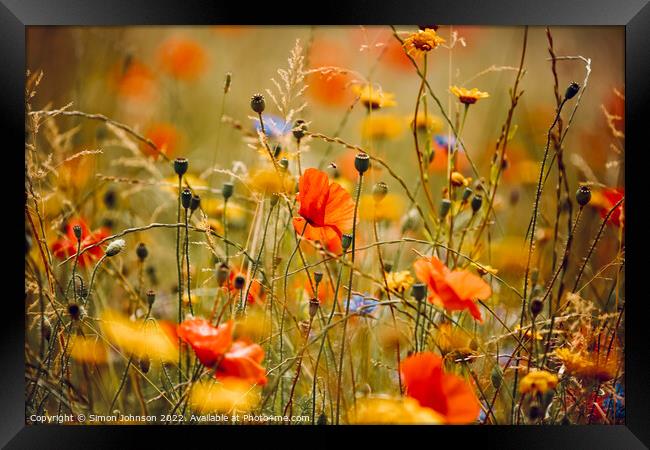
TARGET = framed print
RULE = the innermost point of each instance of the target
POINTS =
(412, 219)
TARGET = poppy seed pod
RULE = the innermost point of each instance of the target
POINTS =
(388, 267)
(477, 201)
(144, 363)
(141, 251)
(227, 82)
(186, 198)
(180, 166)
(240, 281)
(379, 191)
(466, 193)
(195, 202)
(445, 206)
(346, 241)
(151, 297)
(318, 277)
(284, 163)
(299, 129)
(536, 306)
(496, 376)
(115, 247)
(313, 307)
(76, 311)
(419, 291)
(534, 411)
(77, 232)
(583, 195)
(110, 199)
(571, 91)
(257, 103)
(362, 162)
(222, 273)
(227, 190)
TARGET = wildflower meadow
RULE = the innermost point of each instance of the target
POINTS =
(325, 225)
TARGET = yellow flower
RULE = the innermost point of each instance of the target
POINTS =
(399, 281)
(140, 339)
(235, 213)
(391, 208)
(87, 350)
(170, 184)
(537, 381)
(424, 122)
(389, 410)
(468, 96)
(589, 365)
(421, 42)
(373, 98)
(225, 396)
(454, 341)
(378, 127)
(457, 179)
(268, 181)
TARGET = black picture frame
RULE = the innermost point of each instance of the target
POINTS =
(634, 15)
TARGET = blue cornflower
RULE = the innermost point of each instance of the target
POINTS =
(362, 305)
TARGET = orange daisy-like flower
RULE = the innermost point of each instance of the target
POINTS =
(468, 96)
(66, 246)
(326, 210)
(422, 42)
(214, 347)
(447, 394)
(455, 290)
(182, 58)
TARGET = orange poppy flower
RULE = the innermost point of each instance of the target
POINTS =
(209, 343)
(328, 87)
(134, 80)
(605, 199)
(256, 292)
(166, 138)
(66, 246)
(325, 291)
(326, 210)
(214, 347)
(182, 58)
(447, 394)
(455, 290)
(242, 361)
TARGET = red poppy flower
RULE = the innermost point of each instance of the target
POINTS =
(66, 246)
(611, 197)
(447, 394)
(182, 58)
(256, 292)
(209, 343)
(214, 347)
(329, 87)
(165, 137)
(326, 210)
(455, 290)
(242, 361)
